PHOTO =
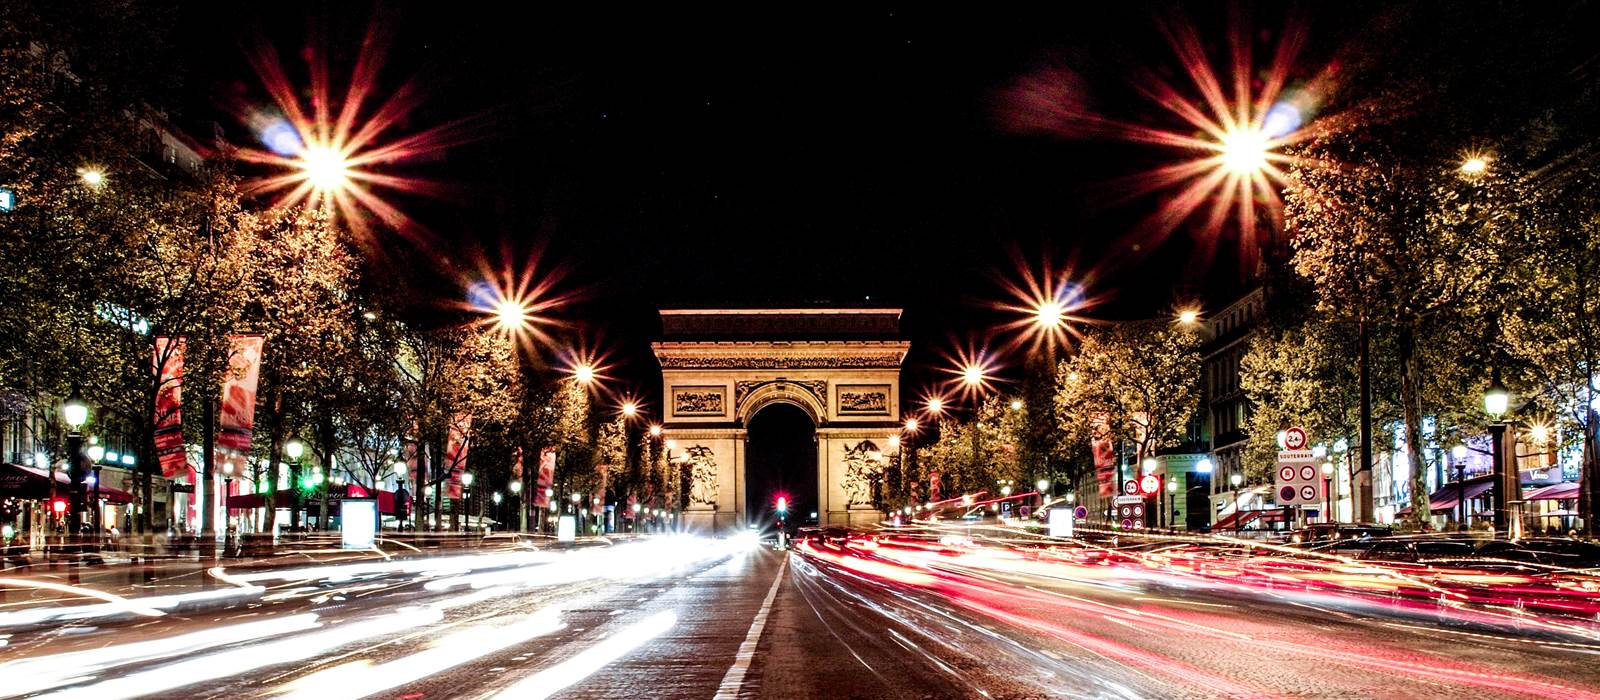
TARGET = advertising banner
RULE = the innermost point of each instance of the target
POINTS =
(547, 476)
(168, 364)
(239, 401)
(455, 451)
(933, 486)
(1105, 456)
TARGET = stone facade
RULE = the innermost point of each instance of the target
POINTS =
(720, 367)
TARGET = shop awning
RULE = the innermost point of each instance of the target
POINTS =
(28, 483)
(1553, 492)
(1448, 496)
(386, 499)
(1237, 520)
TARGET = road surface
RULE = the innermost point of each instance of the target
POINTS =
(690, 618)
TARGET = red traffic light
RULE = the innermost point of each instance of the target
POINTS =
(783, 504)
(1150, 484)
(59, 505)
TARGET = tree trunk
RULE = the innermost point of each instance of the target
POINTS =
(1411, 406)
(274, 456)
(325, 427)
(208, 458)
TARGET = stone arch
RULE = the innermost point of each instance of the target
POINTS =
(809, 397)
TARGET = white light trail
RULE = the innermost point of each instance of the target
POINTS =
(213, 667)
(572, 671)
(38, 673)
(361, 679)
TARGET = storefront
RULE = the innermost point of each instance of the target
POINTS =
(26, 494)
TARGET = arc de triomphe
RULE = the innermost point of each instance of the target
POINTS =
(720, 367)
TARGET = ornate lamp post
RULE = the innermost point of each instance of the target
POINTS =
(466, 492)
(75, 412)
(294, 449)
(1495, 401)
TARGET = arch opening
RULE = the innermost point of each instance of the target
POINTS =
(780, 460)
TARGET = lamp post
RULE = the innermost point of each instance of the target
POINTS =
(1495, 400)
(294, 449)
(1238, 516)
(1460, 453)
(466, 491)
(522, 513)
(75, 412)
(96, 453)
(227, 490)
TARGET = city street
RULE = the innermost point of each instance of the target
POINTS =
(693, 618)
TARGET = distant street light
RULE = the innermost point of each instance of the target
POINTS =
(1475, 165)
(93, 177)
(584, 373)
(935, 405)
(511, 314)
(1016, 405)
(655, 431)
(1049, 314)
(1188, 317)
(1236, 479)
(911, 425)
(325, 168)
(515, 486)
(629, 409)
(973, 375)
(1043, 485)
(75, 412)
(1496, 400)
(293, 449)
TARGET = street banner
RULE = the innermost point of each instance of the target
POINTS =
(239, 401)
(547, 476)
(1105, 457)
(168, 364)
(455, 452)
(516, 468)
(933, 486)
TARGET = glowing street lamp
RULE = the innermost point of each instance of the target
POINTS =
(1049, 314)
(911, 423)
(935, 405)
(294, 449)
(1188, 317)
(973, 375)
(93, 177)
(655, 431)
(1244, 151)
(510, 314)
(324, 168)
(584, 373)
(1236, 479)
(1016, 405)
(1475, 165)
(1496, 398)
(629, 409)
(515, 486)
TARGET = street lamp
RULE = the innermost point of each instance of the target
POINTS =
(1460, 453)
(911, 425)
(1016, 405)
(1474, 165)
(584, 373)
(1188, 317)
(466, 486)
(1244, 151)
(93, 177)
(629, 409)
(75, 412)
(96, 453)
(511, 314)
(1236, 479)
(294, 449)
(935, 405)
(1496, 400)
(655, 431)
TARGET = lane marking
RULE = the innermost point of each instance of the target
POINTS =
(734, 680)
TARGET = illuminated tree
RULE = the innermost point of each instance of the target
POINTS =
(1140, 379)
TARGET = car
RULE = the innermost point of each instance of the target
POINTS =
(1418, 551)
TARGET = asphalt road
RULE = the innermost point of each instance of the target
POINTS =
(698, 619)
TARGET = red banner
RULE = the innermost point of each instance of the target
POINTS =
(410, 452)
(168, 364)
(547, 476)
(516, 469)
(457, 445)
(239, 401)
(1105, 456)
(933, 486)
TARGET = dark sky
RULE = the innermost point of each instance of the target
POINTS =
(737, 157)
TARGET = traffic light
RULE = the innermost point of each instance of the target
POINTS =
(783, 506)
(58, 505)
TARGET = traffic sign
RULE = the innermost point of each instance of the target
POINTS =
(1081, 513)
(1294, 439)
(1130, 488)
(1150, 484)
(8, 200)
(1295, 479)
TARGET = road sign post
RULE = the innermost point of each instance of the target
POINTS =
(1296, 477)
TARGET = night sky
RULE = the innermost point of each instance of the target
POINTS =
(869, 157)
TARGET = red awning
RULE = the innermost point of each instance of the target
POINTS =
(1554, 492)
(285, 497)
(1448, 496)
(1237, 520)
(28, 483)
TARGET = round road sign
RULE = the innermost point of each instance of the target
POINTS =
(1294, 438)
(1150, 484)
(1286, 472)
(1308, 493)
(1308, 472)
(1130, 487)
(1126, 523)
(1286, 493)
(1080, 513)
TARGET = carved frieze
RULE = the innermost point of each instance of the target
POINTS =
(818, 388)
(698, 401)
(863, 400)
(778, 362)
